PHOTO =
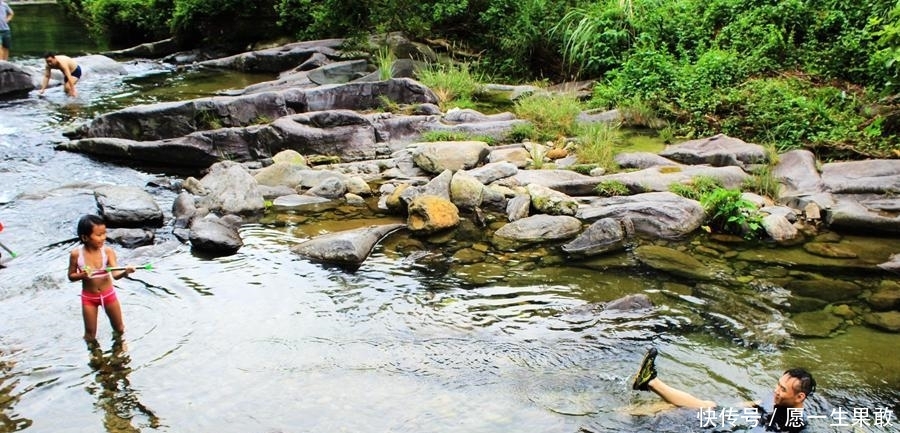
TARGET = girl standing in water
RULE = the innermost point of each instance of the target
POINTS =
(88, 264)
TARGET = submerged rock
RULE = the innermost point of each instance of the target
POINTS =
(348, 248)
(673, 262)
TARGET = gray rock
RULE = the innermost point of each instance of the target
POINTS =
(183, 209)
(15, 80)
(348, 248)
(215, 236)
(660, 178)
(535, 229)
(637, 301)
(341, 133)
(642, 160)
(673, 261)
(276, 59)
(127, 206)
(657, 214)
(449, 155)
(330, 188)
(466, 191)
(565, 181)
(826, 289)
(892, 265)
(518, 207)
(719, 150)
(280, 174)
(779, 228)
(603, 236)
(130, 238)
(303, 203)
(551, 202)
(849, 213)
(877, 176)
(468, 115)
(232, 190)
(515, 154)
(493, 171)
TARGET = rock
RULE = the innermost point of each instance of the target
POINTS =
(467, 115)
(429, 214)
(130, 238)
(550, 202)
(827, 249)
(565, 181)
(280, 174)
(216, 236)
(449, 155)
(886, 321)
(642, 160)
(719, 151)
(232, 190)
(126, 206)
(342, 133)
(603, 236)
(149, 50)
(797, 173)
(183, 209)
(660, 178)
(633, 302)
(493, 171)
(659, 214)
(826, 289)
(515, 154)
(876, 176)
(851, 214)
(303, 203)
(290, 156)
(15, 80)
(886, 296)
(535, 229)
(818, 324)
(466, 191)
(673, 262)
(348, 248)
(518, 207)
(277, 59)
(330, 188)
(779, 228)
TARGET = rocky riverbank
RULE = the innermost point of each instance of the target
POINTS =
(318, 138)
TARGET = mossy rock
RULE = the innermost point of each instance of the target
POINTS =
(815, 324)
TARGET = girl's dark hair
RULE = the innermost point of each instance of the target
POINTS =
(87, 223)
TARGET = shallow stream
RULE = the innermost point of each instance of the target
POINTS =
(263, 341)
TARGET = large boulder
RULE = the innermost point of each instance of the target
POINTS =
(535, 229)
(277, 59)
(429, 214)
(435, 157)
(551, 202)
(341, 133)
(719, 150)
(878, 176)
(127, 206)
(660, 178)
(231, 190)
(603, 236)
(348, 248)
(14, 79)
(216, 237)
(655, 214)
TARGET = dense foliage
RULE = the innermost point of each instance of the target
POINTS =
(818, 74)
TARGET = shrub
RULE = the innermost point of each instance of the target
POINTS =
(451, 83)
(553, 116)
(728, 213)
(128, 22)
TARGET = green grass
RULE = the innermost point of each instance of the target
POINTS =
(597, 143)
(452, 84)
(553, 116)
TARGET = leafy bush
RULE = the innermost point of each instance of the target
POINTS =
(223, 22)
(128, 22)
(728, 213)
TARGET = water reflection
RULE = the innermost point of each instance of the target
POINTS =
(123, 412)
(9, 419)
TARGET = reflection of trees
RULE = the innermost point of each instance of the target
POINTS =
(115, 396)
(9, 422)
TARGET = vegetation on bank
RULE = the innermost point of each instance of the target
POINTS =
(817, 74)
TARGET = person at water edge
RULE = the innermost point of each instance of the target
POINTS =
(88, 263)
(792, 390)
(69, 67)
(5, 32)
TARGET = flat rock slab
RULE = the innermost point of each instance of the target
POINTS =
(349, 248)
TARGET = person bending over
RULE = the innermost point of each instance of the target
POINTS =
(69, 68)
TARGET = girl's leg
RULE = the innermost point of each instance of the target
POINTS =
(89, 314)
(114, 312)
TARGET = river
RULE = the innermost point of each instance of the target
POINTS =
(263, 341)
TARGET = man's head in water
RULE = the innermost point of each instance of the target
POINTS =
(794, 386)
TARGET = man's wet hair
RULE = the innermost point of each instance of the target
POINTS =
(49, 54)
(807, 383)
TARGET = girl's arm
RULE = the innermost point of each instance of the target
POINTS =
(111, 262)
(75, 273)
